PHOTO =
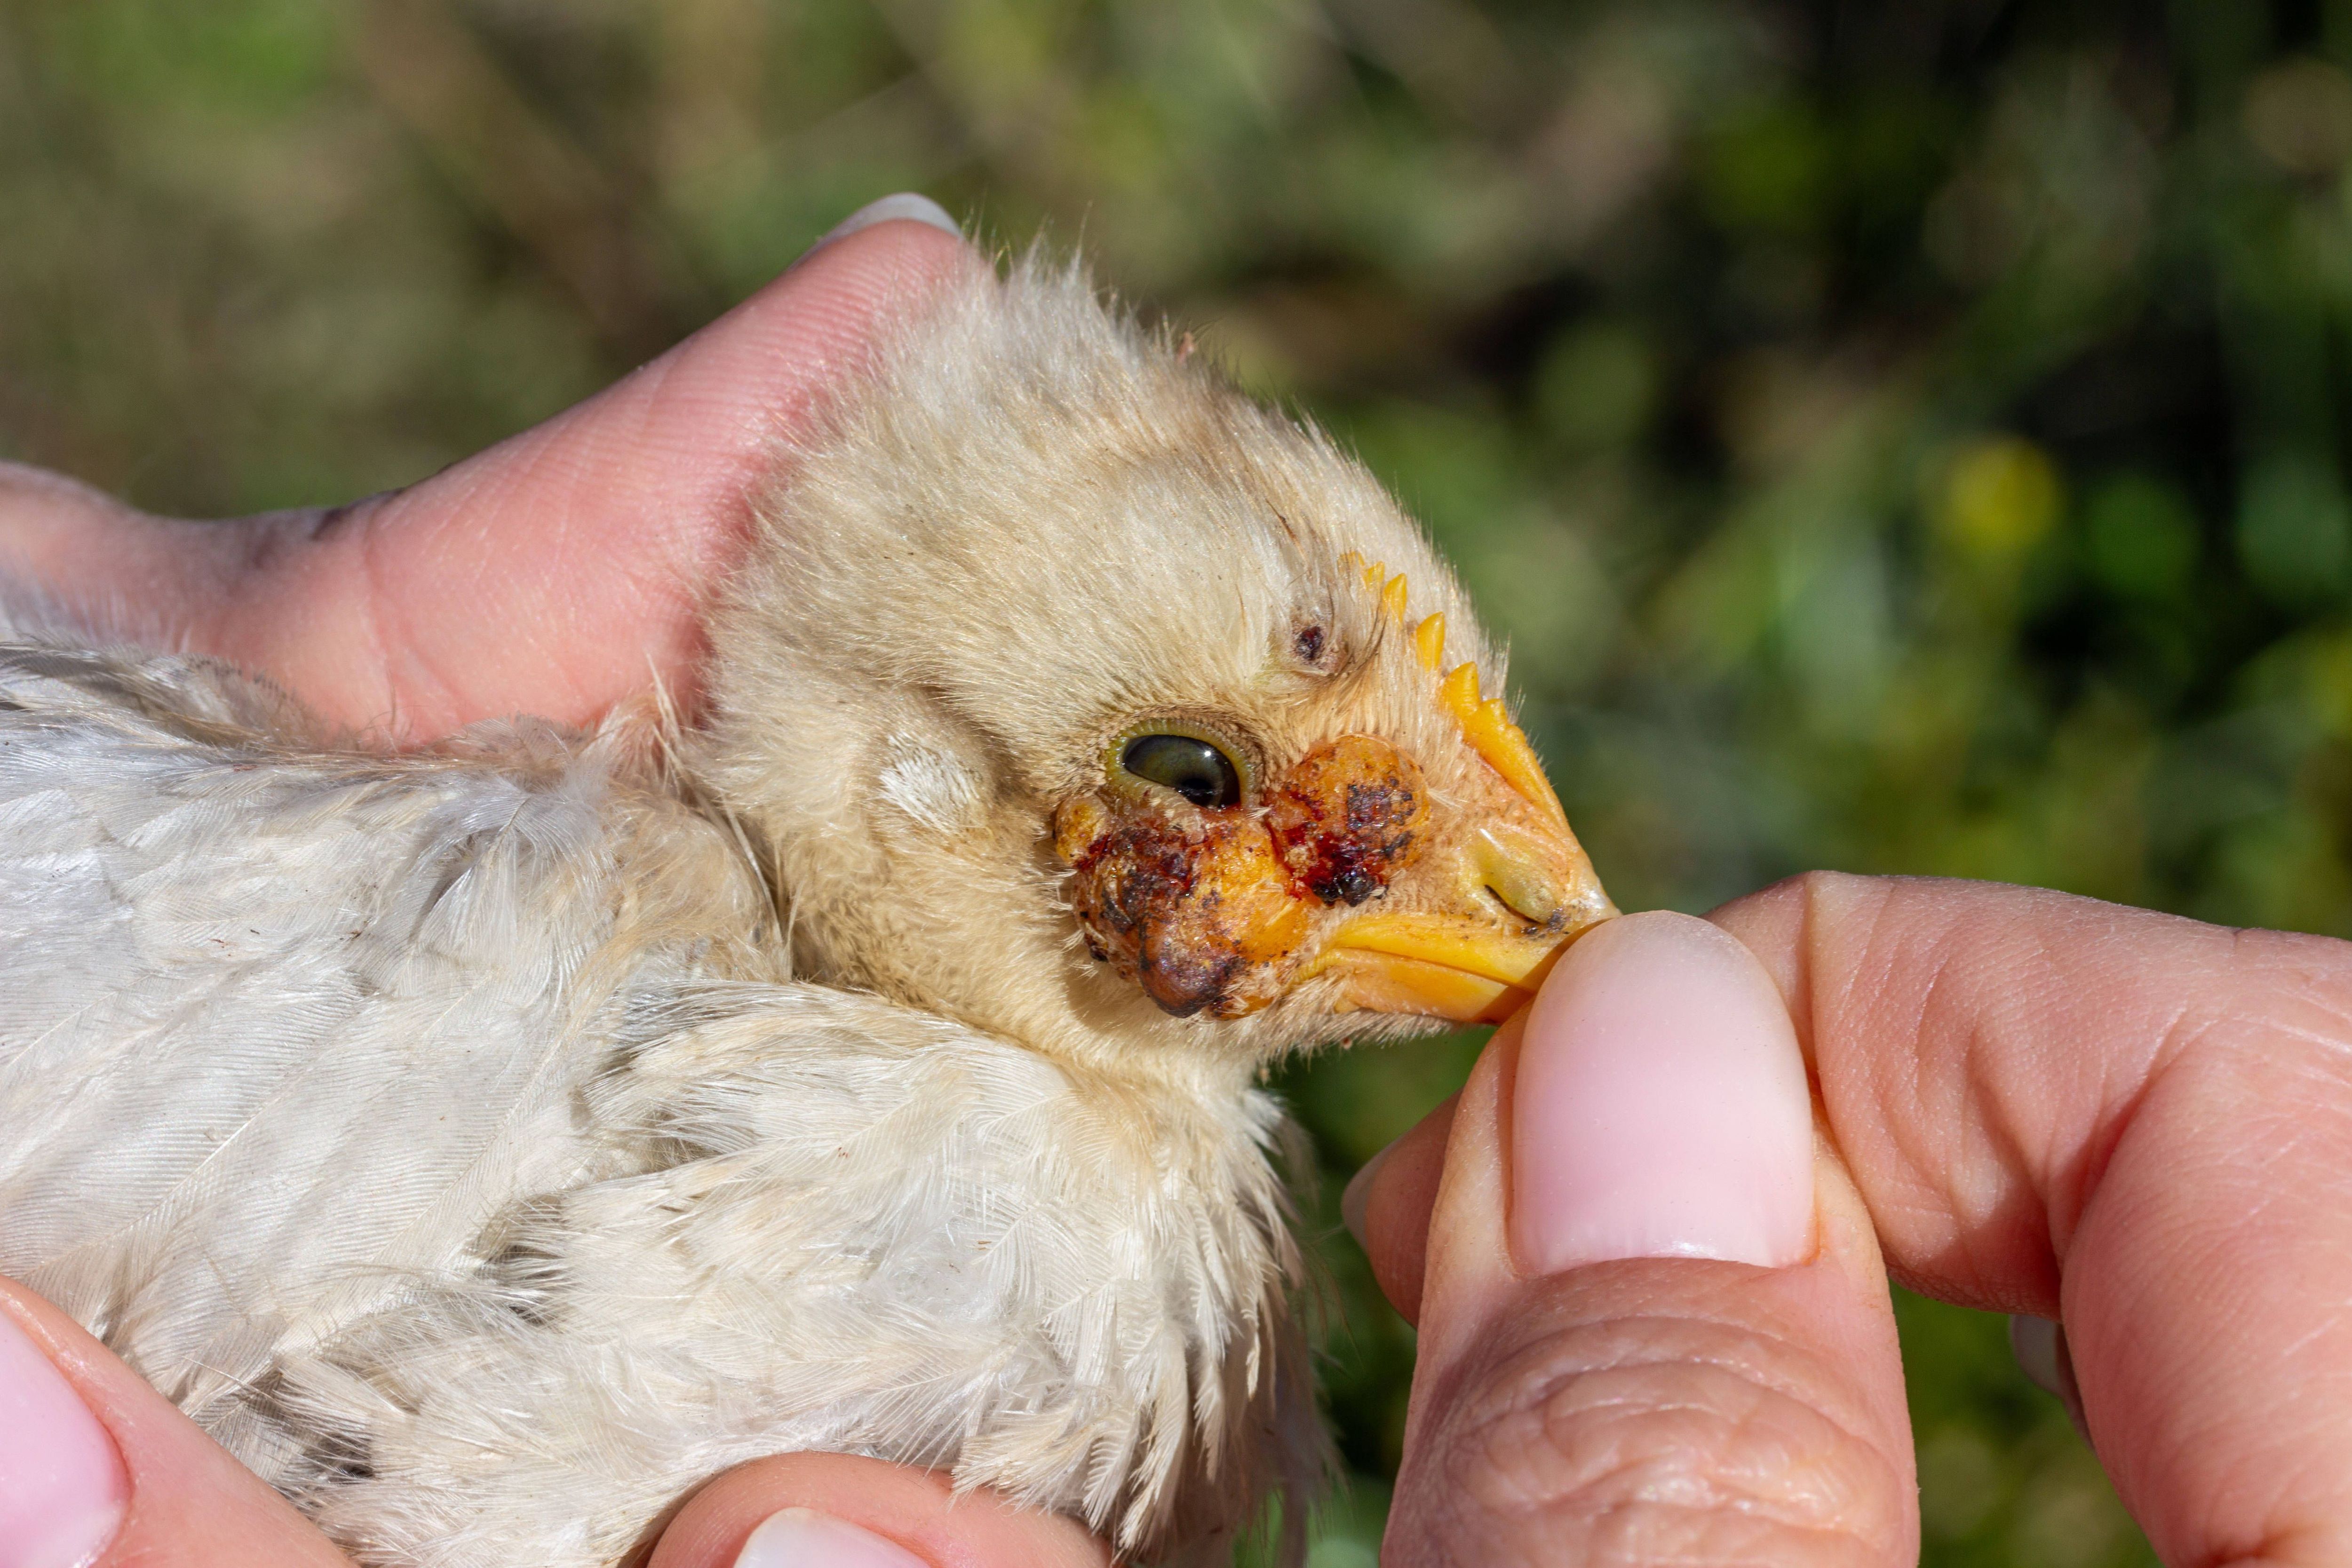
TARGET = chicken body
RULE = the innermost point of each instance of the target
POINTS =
(490, 1144)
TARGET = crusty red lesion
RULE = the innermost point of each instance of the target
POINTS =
(1198, 912)
(1206, 909)
(1347, 816)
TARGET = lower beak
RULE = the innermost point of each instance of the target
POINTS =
(1438, 967)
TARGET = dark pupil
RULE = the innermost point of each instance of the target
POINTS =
(1194, 769)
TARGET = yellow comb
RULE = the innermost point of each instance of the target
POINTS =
(1429, 642)
(1493, 736)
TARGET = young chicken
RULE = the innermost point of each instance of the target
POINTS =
(490, 1144)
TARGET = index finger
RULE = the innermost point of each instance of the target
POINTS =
(2139, 1123)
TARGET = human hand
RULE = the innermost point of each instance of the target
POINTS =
(97, 1470)
(2141, 1124)
(559, 572)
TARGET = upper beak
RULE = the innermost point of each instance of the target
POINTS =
(1470, 930)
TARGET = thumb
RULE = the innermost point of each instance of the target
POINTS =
(97, 1470)
(557, 573)
(1653, 1322)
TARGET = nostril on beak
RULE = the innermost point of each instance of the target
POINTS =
(1523, 884)
(1530, 904)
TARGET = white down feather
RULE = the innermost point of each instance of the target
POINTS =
(317, 1109)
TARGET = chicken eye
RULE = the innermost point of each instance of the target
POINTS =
(1191, 767)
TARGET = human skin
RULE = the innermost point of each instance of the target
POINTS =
(2032, 1103)
(2042, 1104)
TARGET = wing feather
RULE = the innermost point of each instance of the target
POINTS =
(275, 1031)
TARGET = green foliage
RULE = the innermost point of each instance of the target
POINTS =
(1894, 437)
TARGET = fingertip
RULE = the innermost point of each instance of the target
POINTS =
(1387, 1208)
(910, 205)
(1633, 1383)
(721, 402)
(846, 1504)
(821, 316)
(186, 1500)
(63, 1488)
(804, 1538)
(1659, 1107)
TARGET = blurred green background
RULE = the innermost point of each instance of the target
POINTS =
(1894, 437)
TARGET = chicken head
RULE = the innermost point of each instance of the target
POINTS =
(1063, 651)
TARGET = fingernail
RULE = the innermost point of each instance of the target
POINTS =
(62, 1488)
(2039, 1346)
(803, 1538)
(905, 204)
(1357, 1194)
(1660, 1107)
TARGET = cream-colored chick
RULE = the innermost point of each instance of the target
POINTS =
(490, 1145)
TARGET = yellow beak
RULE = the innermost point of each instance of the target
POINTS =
(1437, 967)
(1482, 959)
(1471, 932)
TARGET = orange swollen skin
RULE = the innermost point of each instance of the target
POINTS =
(1206, 909)
(1199, 912)
(1347, 816)
(1242, 907)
